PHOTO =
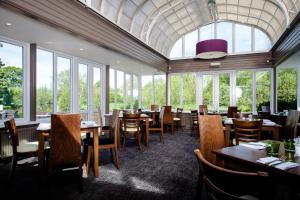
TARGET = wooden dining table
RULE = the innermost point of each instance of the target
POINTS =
(273, 127)
(44, 130)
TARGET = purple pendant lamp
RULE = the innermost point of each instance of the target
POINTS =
(210, 49)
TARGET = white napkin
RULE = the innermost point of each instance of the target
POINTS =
(258, 143)
(228, 121)
(253, 146)
(88, 123)
(268, 123)
(287, 165)
(44, 126)
(267, 160)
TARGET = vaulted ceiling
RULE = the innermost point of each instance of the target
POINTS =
(159, 23)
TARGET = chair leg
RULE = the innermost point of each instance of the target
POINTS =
(161, 137)
(116, 157)
(139, 139)
(124, 141)
(13, 166)
(88, 160)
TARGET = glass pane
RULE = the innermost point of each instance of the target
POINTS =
(242, 38)
(189, 92)
(82, 88)
(190, 40)
(262, 41)
(244, 90)
(207, 32)
(175, 85)
(208, 91)
(135, 92)
(96, 88)
(224, 31)
(263, 88)
(44, 84)
(120, 90)
(160, 89)
(147, 87)
(128, 91)
(63, 84)
(286, 89)
(176, 51)
(11, 80)
(224, 91)
(111, 89)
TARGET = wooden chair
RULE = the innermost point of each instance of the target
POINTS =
(155, 110)
(290, 127)
(178, 118)
(240, 115)
(104, 143)
(110, 128)
(247, 131)
(231, 111)
(194, 119)
(264, 113)
(203, 110)
(211, 135)
(158, 127)
(65, 144)
(224, 184)
(168, 118)
(131, 124)
(154, 107)
(20, 151)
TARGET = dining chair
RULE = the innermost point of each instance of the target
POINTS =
(65, 144)
(194, 120)
(158, 127)
(104, 143)
(154, 107)
(290, 127)
(178, 118)
(218, 183)
(247, 131)
(20, 150)
(154, 112)
(168, 119)
(231, 111)
(131, 125)
(203, 110)
(211, 135)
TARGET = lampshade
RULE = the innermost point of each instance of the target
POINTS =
(210, 49)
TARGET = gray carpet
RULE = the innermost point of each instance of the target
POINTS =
(161, 171)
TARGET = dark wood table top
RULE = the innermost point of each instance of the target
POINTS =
(249, 157)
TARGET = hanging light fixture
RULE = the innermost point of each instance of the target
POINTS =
(213, 48)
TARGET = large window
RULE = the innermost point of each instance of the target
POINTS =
(44, 84)
(224, 31)
(135, 92)
(11, 80)
(207, 93)
(242, 38)
(263, 89)
(176, 52)
(160, 90)
(224, 91)
(244, 90)
(175, 90)
(97, 88)
(112, 92)
(128, 91)
(190, 40)
(286, 89)
(207, 32)
(189, 91)
(83, 89)
(120, 90)
(147, 91)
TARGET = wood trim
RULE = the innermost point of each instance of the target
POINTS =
(231, 62)
(32, 69)
(107, 67)
(76, 19)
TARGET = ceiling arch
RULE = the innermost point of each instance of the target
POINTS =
(159, 23)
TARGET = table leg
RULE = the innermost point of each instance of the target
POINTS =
(147, 131)
(227, 135)
(96, 151)
(41, 152)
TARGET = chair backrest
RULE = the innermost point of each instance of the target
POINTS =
(290, 128)
(154, 107)
(247, 131)
(10, 125)
(116, 127)
(115, 115)
(168, 116)
(131, 120)
(203, 110)
(99, 118)
(65, 141)
(231, 111)
(225, 184)
(240, 115)
(211, 135)
(194, 115)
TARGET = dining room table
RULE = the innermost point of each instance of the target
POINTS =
(44, 130)
(267, 125)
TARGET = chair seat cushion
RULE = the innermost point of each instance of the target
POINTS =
(30, 147)
(195, 122)
(134, 129)
(176, 119)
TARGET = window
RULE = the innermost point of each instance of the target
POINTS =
(224, 31)
(63, 84)
(147, 91)
(97, 88)
(160, 89)
(135, 92)
(190, 41)
(286, 89)
(224, 91)
(263, 83)
(189, 91)
(111, 89)
(44, 84)
(11, 80)
(176, 51)
(128, 91)
(207, 32)
(175, 90)
(120, 90)
(243, 38)
(262, 42)
(208, 91)
(244, 90)
(83, 91)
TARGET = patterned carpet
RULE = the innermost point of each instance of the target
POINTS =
(161, 171)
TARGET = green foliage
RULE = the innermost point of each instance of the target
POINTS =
(63, 91)
(44, 100)
(244, 82)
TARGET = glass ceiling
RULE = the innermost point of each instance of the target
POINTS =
(159, 23)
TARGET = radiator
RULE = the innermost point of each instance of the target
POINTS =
(26, 134)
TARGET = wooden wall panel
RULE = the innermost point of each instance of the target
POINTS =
(288, 43)
(231, 62)
(79, 20)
